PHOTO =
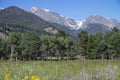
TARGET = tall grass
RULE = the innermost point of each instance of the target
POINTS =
(61, 70)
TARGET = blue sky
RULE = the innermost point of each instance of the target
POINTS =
(76, 9)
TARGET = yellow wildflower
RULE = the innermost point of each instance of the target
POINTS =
(7, 76)
(26, 78)
(34, 78)
(37, 79)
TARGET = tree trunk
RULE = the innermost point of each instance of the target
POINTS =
(1, 58)
(57, 55)
(12, 51)
(62, 55)
(102, 56)
(16, 56)
(42, 56)
(30, 56)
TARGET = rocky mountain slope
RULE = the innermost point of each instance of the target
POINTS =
(92, 24)
(55, 18)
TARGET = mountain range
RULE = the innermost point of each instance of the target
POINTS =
(46, 21)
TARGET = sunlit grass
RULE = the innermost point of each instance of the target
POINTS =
(55, 70)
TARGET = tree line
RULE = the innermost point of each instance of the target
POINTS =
(31, 46)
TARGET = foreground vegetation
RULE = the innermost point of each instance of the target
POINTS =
(62, 70)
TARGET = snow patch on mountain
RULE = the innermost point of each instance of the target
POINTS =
(76, 26)
(72, 26)
(34, 9)
(79, 23)
(1, 8)
(46, 10)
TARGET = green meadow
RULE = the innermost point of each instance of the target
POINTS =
(61, 70)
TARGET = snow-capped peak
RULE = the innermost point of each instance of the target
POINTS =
(33, 9)
(65, 17)
(46, 10)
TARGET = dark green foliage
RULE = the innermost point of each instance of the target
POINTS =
(115, 42)
(3, 49)
(31, 46)
(62, 33)
(45, 46)
(90, 47)
(115, 29)
(14, 41)
(83, 36)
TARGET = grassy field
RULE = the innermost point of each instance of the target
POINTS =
(62, 70)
